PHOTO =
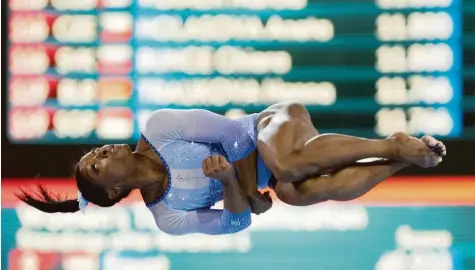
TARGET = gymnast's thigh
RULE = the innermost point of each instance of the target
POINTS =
(283, 130)
(285, 127)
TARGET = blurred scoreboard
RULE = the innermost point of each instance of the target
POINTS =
(89, 71)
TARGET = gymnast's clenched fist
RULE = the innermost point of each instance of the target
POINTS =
(217, 167)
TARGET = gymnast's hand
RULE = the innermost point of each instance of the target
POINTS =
(260, 202)
(217, 167)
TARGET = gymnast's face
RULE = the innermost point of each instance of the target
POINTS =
(109, 165)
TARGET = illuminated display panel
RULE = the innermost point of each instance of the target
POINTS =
(93, 71)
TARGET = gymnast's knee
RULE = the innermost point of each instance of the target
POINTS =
(294, 195)
(287, 194)
(297, 110)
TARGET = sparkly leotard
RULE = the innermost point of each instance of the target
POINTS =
(183, 139)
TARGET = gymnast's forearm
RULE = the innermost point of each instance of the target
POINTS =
(247, 174)
(235, 200)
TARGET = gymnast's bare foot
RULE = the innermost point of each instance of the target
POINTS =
(437, 146)
(415, 151)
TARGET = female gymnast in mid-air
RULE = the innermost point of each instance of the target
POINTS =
(187, 160)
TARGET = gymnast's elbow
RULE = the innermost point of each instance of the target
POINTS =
(171, 230)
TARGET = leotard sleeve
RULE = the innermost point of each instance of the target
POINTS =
(202, 126)
(205, 221)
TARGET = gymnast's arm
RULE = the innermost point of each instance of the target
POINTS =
(205, 221)
(235, 217)
(246, 169)
(200, 126)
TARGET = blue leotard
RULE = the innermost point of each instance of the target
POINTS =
(183, 139)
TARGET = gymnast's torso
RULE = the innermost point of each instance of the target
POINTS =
(183, 139)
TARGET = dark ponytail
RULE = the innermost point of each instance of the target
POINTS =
(45, 201)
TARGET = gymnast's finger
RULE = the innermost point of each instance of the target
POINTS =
(215, 161)
(209, 163)
(204, 166)
(222, 161)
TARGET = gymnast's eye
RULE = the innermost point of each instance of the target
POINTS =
(95, 168)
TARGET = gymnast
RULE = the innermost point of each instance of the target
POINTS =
(188, 160)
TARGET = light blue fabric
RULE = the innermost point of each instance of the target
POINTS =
(82, 202)
(183, 139)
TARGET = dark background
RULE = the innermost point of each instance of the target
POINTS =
(58, 160)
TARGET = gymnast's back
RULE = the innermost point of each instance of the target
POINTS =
(183, 139)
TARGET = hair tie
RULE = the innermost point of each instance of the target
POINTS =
(82, 202)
